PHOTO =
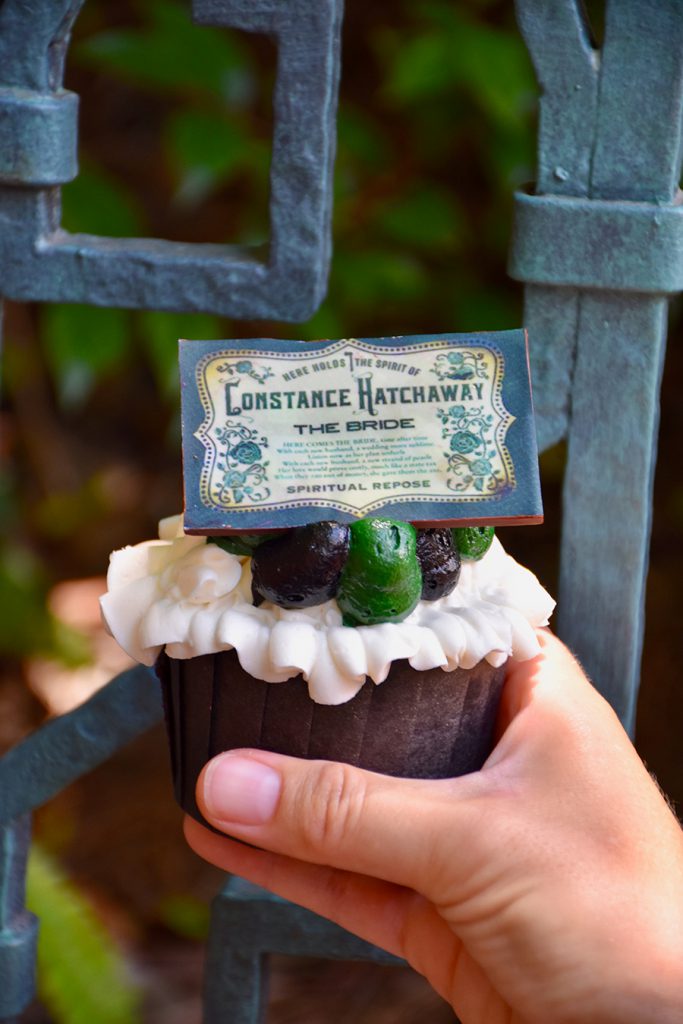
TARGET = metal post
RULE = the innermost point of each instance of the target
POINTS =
(18, 928)
(599, 245)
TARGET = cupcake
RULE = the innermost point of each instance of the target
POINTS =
(375, 644)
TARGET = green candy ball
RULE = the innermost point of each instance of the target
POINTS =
(381, 581)
(473, 541)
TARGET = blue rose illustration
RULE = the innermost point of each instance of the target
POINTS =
(244, 366)
(464, 441)
(455, 358)
(481, 467)
(233, 478)
(457, 410)
(246, 452)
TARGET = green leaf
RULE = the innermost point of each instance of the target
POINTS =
(324, 324)
(70, 646)
(490, 63)
(82, 976)
(82, 343)
(172, 55)
(496, 69)
(27, 627)
(360, 138)
(364, 279)
(421, 67)
(511, 158)
(207, 149)
(428, 218)
(97, 204)
(25, 624)
(159, 333)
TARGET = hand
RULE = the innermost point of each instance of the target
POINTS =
(548, 887)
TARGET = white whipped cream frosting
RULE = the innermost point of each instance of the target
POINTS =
(191, 597)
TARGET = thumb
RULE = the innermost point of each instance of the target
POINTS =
(324, 812)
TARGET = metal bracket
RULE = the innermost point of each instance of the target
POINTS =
(598, 244)
(30, 774)
(247, 923)
(67, 747)
(600, 248)
(44, 130)
(18, 927)
(40, 261)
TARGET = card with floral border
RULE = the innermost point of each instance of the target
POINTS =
(432, 429)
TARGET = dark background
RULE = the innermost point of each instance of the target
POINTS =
(436, 129)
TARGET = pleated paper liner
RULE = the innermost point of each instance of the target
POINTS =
(423, 725)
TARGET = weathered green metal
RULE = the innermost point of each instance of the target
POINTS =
(30, 774)
(18, 928)
(598, 266)
(69, 746)
(247, 923)
(45, 130)
(605, 245)
(39, 261)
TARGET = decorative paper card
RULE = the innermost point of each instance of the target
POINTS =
(430, 429)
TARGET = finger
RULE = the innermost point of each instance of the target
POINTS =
(522, 678)
(516, 692)
(558, 725)
(389, 916)
(555, 669)
(369, 908)
(398, 830)
(552, 680)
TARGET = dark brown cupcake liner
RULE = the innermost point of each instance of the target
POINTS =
(424, 725)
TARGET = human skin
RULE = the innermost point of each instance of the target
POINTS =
(546, 888)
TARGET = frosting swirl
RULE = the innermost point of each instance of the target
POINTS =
(192, 597)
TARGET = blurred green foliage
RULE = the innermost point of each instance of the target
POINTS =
(186, 916)
(26, 626)
(82, 976)
(165, 52)
(82, 344)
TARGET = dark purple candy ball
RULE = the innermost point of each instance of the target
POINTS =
(439, 561)
(302, 567)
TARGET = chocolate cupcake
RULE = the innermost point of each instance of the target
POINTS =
(397, 670)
